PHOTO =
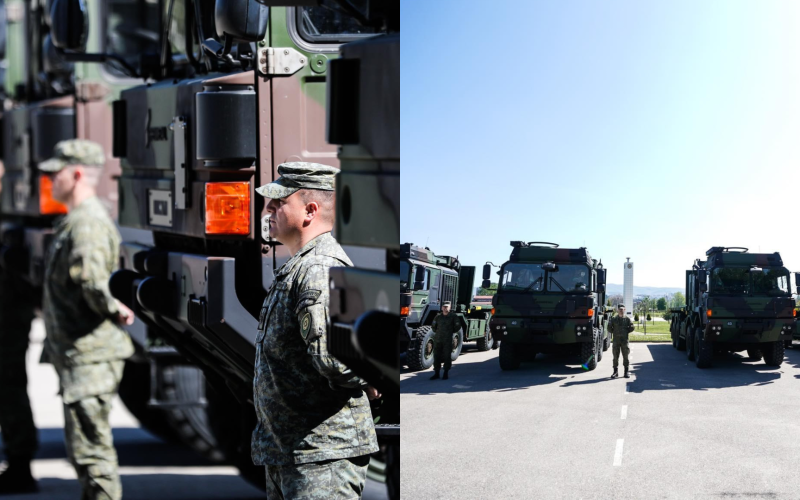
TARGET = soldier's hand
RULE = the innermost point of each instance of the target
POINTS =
(372, 393)
(125, 316)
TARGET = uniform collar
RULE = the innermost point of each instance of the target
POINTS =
(311, 246)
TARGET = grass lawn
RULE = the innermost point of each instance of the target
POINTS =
(656, 332)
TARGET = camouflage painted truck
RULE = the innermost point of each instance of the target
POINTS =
(364, 117)
(735, 301)
(426, 282)
(549, 300)
(236, 88)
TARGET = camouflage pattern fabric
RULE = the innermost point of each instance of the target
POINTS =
(78, 307)
(90, 446)
(310, 407)
(297, 175)
(620, 327)
(74, 152)
(444, 327)
(342, 479)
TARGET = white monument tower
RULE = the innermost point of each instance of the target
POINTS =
(627, 287)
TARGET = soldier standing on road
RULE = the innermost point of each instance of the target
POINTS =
(620, 326)
(16, 313)
(84, 339)
(315, 431)
(444, 326)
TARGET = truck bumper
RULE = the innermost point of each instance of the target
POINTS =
(557, 332)
(740, 332)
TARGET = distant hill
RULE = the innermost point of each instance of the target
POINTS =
(654, 291)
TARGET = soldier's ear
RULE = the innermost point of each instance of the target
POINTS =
(312, 210)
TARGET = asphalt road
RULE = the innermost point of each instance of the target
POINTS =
(553, 430)
(149, 468)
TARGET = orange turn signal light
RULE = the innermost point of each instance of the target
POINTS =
(708, 313)
(493, 311)
(404, 311)
(47, 205)
(227, 208)
(794, 312)
(591, 312)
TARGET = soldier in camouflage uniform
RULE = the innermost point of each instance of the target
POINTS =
(444, 326)
(315, 431)
(84, 339)
(16, 313)
(620, 326)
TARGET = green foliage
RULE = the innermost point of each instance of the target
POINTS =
(661, 304)
(667, 316)
(636, 317)
(678, 300)
(649, 318)
(488, 291)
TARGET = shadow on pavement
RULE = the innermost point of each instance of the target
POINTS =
(486, 375)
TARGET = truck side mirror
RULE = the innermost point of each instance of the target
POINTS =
(487, 272)
(3, 30)
(70, 20)
(601, 288)
(797, 283)
(486, 284)
(703, 287)
(601, 278)
(241, 19)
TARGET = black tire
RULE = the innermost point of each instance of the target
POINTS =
(754, 354)
(134, 391)
(599, 346)
(690, 343)
(704, 350)
(487, 341)
(458, 344)
(420, 351)
(393, 470)
(773, 353)
(787, 344)
(674, 335)
(589, 354)
(496, 345)
(509, 358)
(680, 342)
(606, 341)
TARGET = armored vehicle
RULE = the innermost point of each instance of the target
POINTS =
(735, 301)
(426, 282)
(548, 300)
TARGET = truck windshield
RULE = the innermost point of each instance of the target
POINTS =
(569, 278)
(328, 23)
(131, 28)
(405, 275)
(773, 282)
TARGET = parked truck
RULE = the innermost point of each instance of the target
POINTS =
(427, 281)
(549, 300)
(735, 301)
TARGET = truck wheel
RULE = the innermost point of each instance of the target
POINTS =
(509, 359)
(773, 353)
(487, 341)
(606, 342)
(393, 471)
(703, 351)
(599, 346)
(420, 352)
(589, 354)
(680, 343)
(690, 343)
(787, 344)
(458, 344)
(754, 354)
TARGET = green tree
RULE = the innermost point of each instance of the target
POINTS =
(636, 317)
(662, 304)
(678, 300)
(488, 291)
(648, 317)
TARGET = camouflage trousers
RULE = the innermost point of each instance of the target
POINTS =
(625, 352)
(90, 448)
(442, 350)
(16, 419)
(341, 479)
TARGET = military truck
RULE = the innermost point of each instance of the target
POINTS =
(427, 281)
(549, 300)
(364, 117)
(735, 301)
(236, 88)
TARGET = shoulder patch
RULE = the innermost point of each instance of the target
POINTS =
(305, 325)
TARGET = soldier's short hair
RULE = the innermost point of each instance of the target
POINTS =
(621, 306)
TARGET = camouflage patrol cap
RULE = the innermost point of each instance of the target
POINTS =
(446, 304)
(621, 306)
(74, 152)
(297, 175)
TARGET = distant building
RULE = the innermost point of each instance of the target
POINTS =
(627, 287)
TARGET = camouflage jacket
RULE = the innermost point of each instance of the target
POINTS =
(79, 311)
(620, 327)
(310, 407)
(445, 326)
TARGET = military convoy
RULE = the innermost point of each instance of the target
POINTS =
(735, 301)
(549, 300)
(427, 281)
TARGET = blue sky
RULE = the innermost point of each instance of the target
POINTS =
(650, 130)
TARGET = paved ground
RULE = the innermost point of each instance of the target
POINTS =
(553, 430)
(150, 468)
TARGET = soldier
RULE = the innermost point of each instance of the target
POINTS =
(620, 326)
(84, 339)
(16, 313)
(444, 326)
(315, 431)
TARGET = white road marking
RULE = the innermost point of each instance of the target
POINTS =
(618, 453)
(624, 414)
(461, 386)
(668, 385)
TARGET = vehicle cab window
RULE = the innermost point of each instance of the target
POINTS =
(328, 24)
